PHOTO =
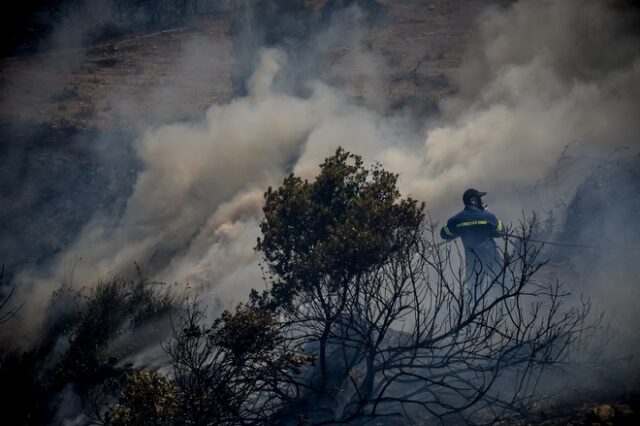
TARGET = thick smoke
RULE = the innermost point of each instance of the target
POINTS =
(542, 76)
(193, 212)
(543, 81)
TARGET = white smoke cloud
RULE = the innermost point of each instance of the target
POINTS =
(192, 215)
(543, 75)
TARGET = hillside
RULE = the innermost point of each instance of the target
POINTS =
(140, 144)
(420, 45)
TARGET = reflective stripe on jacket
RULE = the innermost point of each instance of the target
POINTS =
(477, 228)
(474, 225)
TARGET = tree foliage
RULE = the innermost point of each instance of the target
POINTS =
(347, 221)
(75, 348)
(146, 398)
(225, 373)
(319, 236)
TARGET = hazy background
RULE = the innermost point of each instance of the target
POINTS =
(541, 112)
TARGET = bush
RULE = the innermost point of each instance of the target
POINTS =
(110, 309)
(145, 398)
(75, 345)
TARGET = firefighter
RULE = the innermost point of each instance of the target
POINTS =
(477, 227)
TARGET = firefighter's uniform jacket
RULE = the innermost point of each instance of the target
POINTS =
(477, 228)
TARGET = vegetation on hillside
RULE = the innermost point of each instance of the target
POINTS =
(366, 316)
(85, 335)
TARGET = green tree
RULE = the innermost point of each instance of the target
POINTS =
(347, 221)
(319, 237)
(145, 398)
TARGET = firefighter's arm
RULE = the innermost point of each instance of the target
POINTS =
(497, 227)
(447, 231)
